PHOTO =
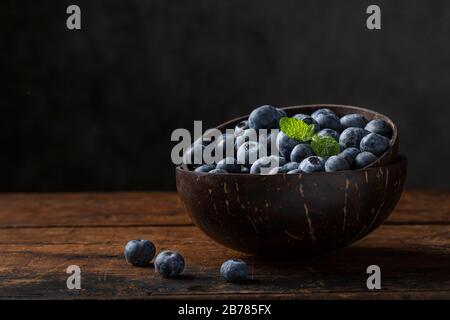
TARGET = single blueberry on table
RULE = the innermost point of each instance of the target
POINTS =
(240, 127)
(311, 164)
(336, 163)
(300, 152)
(285, 144)
(295, 171)
(264, 117)
(308, 120)
(229, 165)
(139, 252)
(374, 143)
(329, 132)
(234, 270)
(169, 263)
(353, 120)
(350, 154)
(364, 158)
(329, 121)
(217, 171)
(205, 168)
(322, 111)
(351, 137)
(381, 127)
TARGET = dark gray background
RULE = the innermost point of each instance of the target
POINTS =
(94, 109)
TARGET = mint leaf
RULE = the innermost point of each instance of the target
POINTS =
(325, 146)
(297, 129)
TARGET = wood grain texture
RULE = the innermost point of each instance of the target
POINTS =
(164, 208)
(412, 251)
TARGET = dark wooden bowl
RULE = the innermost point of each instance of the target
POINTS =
(389, 156)
(298, 215)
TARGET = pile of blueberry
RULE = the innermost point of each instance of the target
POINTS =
(360, 142)
(170, 264)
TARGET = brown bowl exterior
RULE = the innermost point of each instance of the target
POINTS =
(388, 157)
(300, 215)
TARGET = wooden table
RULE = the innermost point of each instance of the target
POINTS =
(42, 234)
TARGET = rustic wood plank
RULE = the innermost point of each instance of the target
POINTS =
(91, 209)
(164, 208)
(414, 261)
(422, 206)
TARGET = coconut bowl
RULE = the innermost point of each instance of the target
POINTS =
(292, 214)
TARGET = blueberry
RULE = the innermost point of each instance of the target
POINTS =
(308, 120)
(329, 121)
(246, 136)
(218, 171)
(374, 143)
(234, 270)
(264, 117)
(322, 111)
(169, 263)
(300, 152)
(295, 171)
(240, 127)
(350, 154)
(249, 152)
(285, 144)
(205, 168)
(336, 163)
(282, 112)
(229, 165)
(271, 136)
(364, 158)
(329, 132)
(311, 164)
(274, 170)
(323, 160)
(353, 120)
(351, 137)
(267, 163)
(194, 156)
(381, 127)
(139, 252)
(289, 167)
(285, 169)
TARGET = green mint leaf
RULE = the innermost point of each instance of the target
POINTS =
(325, 146)
(297, 129)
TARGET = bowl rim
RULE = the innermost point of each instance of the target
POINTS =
(398, 162)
